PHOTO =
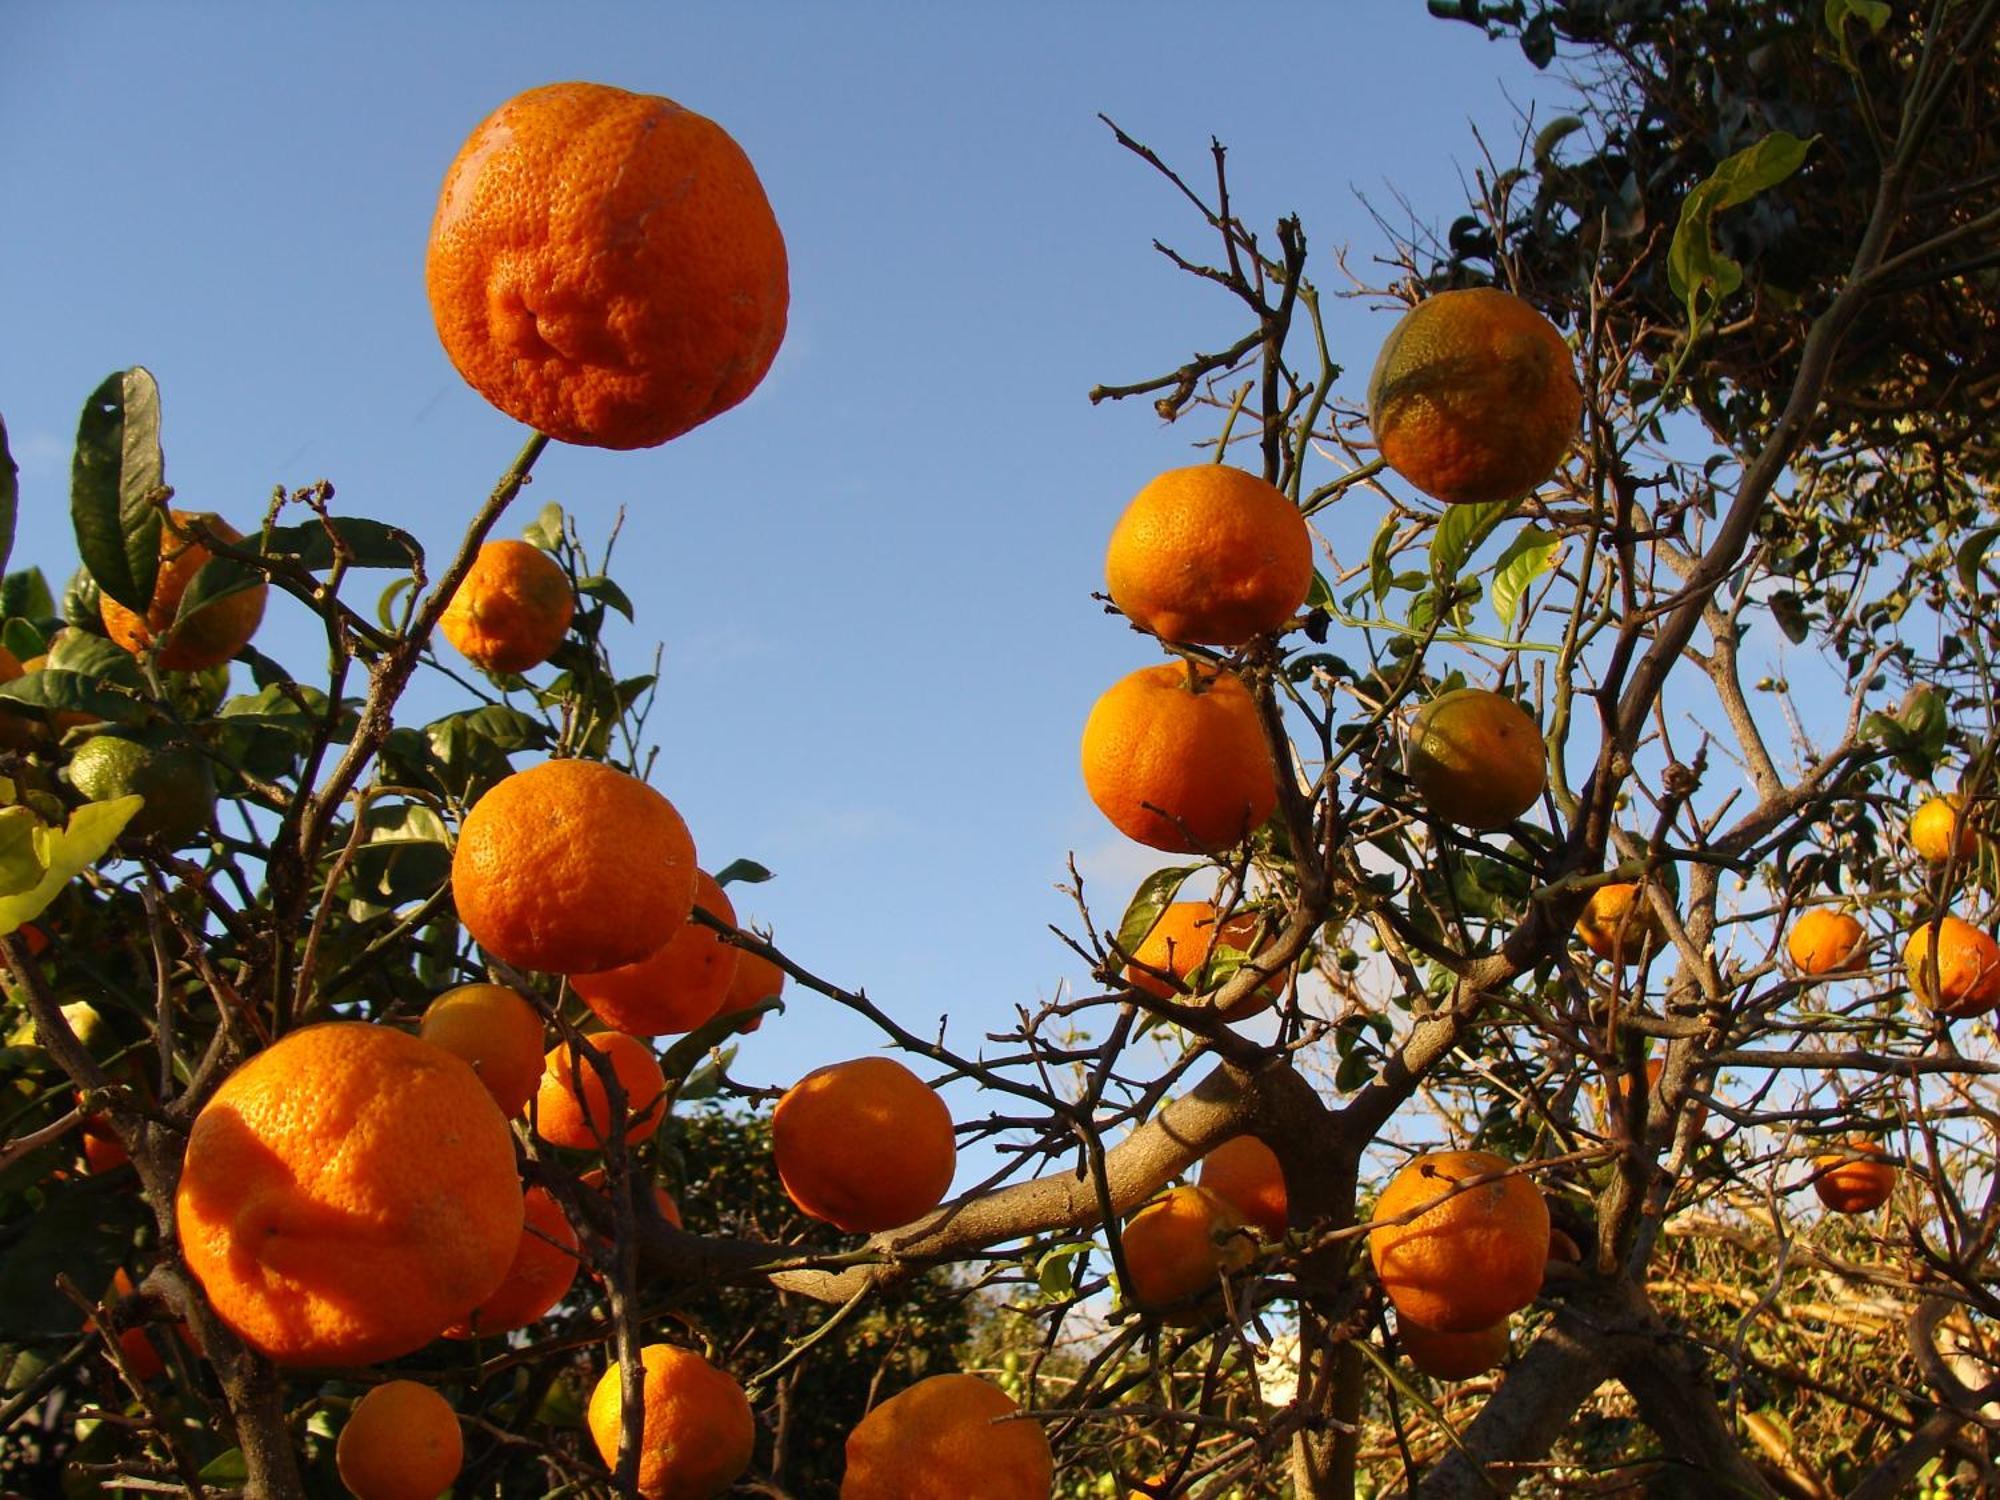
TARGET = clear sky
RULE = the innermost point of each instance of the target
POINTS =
(872, 580)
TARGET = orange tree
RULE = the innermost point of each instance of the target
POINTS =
(1558, 1155)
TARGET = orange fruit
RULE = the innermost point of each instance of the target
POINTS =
(1181, 943)
(1824, 941)
(401, 1442)
(697, 1433)
(1176, 759)
(572, 866)
(604, 266)
(1968, 969)
(1476, 758)
(1471, 1260)
(1855, 1187)
(676, 987)
(1563, 1248)
(348, 1192)
(1453, 1356)
(544, 1265)
(1210, 554)
(1245, 1174)
(1474, 397)
(213, 633)
(757, 978)
(1938, 828)
(495, 1030)
(1178, 1245)
(142, 1355)
(512, 609)
(864, 1145)
(565, 1118)
(1620, 1084)
(102, 1150)
(948, 1435)
(663, 1200)
(1618, 923)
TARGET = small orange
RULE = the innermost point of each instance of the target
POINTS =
(543, 1268)
(697, 1434)
(1933, 826)
(1181, 943)
(213, 633)
(495, 1030)
(1476, 758)
(1210, 554)
(564, 1119)
(1620, 1086)
(572, 866)
(679, 985)
(757, 978)
(1824, 941)
(1471, 1260)
(102, 1150)
(948, 1436)
(605, 267)
(1968, 969)
(1175, 757)
(347, 1193)
(1474, 397)
(142, 1355)
(1245, 1174)
(864, 1145)
(1855, 1187)
(1618, 922)
(512, 609)
(663, 1201)
(1453, 1356)
(401, 1442)
(1176, 1248)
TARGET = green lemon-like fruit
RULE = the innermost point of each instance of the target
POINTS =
(176, 783)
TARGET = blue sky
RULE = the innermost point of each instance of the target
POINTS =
(872, 580)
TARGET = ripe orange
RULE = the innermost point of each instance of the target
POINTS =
(679, 985)
(1176, 759)
(1468, 1262)
(1855, 1187)
(1453, 1356)
(663, 1200)
(1474, 397)
(142, 1355)
(757, 978)
(495, 1030)
(1938, 827)
(1210, 554)
(511, 610)
(401, 1442)
(1824, 941)
(698, 1431)
(1968, 969)
(565, 1118)
(864, 1145)
(605, 267)
(1245, 1174)
(1182, 942)
(1476, 758)
(1619, 923)
(208, 637)
(348, 1192)
(544, 1265)
(1178, 1245)
(572, 866)
(948, 1436)
(102, 1150)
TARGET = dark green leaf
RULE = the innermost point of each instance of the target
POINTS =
(72, 692)
(10, 497)
(1790, 612)
(1320, 595)
(1154, 895)
(1379, 566)
(746, 870)
(25, 596)
(114, 481)
(360, 543)
(23, 639)
(1459, 534)
(225, 1468)
(95, 658)
(1553, 135)
(218, 579)
(605, 592)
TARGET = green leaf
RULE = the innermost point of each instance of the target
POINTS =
(1873, 14)
(1320, 595)
(1380, 568)
(1552, 135)
(1528, 557)
(23, 639)
(26, 596)
(94, 657)
(1700, 274)
(218, 579)
(1972, 556)
(1789, 610)
(546, 530)
(605, 592)
(225, 1468)
(20, 862)
(117, 472)
(746, 870)
(72, 692)
(1459, 534)
(10, 497)
(1154, 895)
(67, 853)
(358, 542)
